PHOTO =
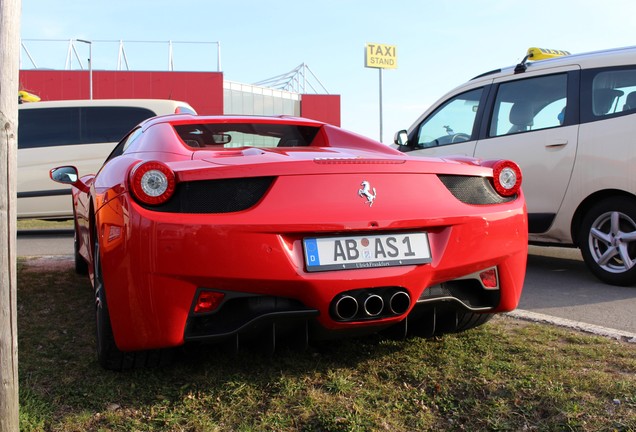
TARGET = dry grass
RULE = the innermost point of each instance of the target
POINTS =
(507, 375)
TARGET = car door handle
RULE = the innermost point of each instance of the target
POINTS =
(557, 143)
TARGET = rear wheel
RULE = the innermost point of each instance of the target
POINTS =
(469, 320)
(608, 241)
(108, 355)
(437, 321)
(81, 267)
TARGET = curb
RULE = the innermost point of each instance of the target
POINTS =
(620, 335)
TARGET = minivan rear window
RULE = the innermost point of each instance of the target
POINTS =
(614, 91)
(46, 127)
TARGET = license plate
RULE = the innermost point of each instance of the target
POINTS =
(368, 251)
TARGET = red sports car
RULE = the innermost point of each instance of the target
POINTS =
(235, 228)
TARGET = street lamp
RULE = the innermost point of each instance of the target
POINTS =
(90, 64)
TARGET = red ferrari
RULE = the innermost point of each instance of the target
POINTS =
(277, 228)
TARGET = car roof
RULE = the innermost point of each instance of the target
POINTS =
(143, 103)
(587, 60)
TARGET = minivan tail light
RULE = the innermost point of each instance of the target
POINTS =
(152, 183)
(506, 177)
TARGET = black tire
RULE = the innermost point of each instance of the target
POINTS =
(438, 321)
(81, 266)
(108, 355)
(607, 240)
(469, 320)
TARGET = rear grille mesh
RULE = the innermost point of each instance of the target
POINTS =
(216, 196)
(473, 190)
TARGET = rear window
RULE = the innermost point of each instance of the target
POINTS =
(614, 91)
(229, 135)
(46, 127)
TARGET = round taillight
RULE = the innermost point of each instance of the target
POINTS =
(506, 177)
(152, 183)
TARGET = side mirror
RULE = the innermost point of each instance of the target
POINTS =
(68, 175)
(401, 138)
(64, 174)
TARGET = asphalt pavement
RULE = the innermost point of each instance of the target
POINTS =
(558, 284)
(45, 242)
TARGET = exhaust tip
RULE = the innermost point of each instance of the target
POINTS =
(346, 308)
(399, 302)
(373, 305)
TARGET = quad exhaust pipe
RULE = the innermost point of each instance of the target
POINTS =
(366, 304)
(373, 305)
(346, 308)
(399, 302)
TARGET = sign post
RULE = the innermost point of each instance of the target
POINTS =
(380, 56)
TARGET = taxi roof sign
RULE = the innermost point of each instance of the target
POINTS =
(535, 54)
(545, 53)
(25, 96)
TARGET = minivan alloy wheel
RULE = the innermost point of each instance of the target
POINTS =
(609, 241)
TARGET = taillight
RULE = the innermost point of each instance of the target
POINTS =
(489, 278)
(506, 177)
(152, 182)
(207, 301)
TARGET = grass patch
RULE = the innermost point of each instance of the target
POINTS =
(506, 375)
(35, 224)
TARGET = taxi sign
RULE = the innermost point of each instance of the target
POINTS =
(380, 56)
(545, 53)
(535, 54)
(25, 96)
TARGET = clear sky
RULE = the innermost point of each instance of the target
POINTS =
(440, 44)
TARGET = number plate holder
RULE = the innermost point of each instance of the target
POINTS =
(366, 251)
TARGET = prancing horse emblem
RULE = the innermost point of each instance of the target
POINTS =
(367, 192)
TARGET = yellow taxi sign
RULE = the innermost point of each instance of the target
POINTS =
(380, 56)
(25, 96)
(545, 53)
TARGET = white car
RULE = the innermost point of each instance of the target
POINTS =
(570, 123)
(80, 133)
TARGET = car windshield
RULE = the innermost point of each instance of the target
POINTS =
(228, 135)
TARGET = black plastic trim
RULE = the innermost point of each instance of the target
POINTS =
(216, 196)
(473, 190)
(540, 222)
(44, 193)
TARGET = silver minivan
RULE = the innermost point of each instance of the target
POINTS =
(569, 121)
(78, 132)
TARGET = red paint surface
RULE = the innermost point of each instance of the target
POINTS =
(202, 90)
(154, 262)
(325, 108)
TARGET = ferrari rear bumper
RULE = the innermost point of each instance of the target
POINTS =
(154, 266)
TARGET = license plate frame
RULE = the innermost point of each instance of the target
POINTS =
(366, 251)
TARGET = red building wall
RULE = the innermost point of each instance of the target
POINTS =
(202, 90)
(325, 108)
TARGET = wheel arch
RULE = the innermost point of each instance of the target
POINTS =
(91, 240)
(588, 203)
(92, 228)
